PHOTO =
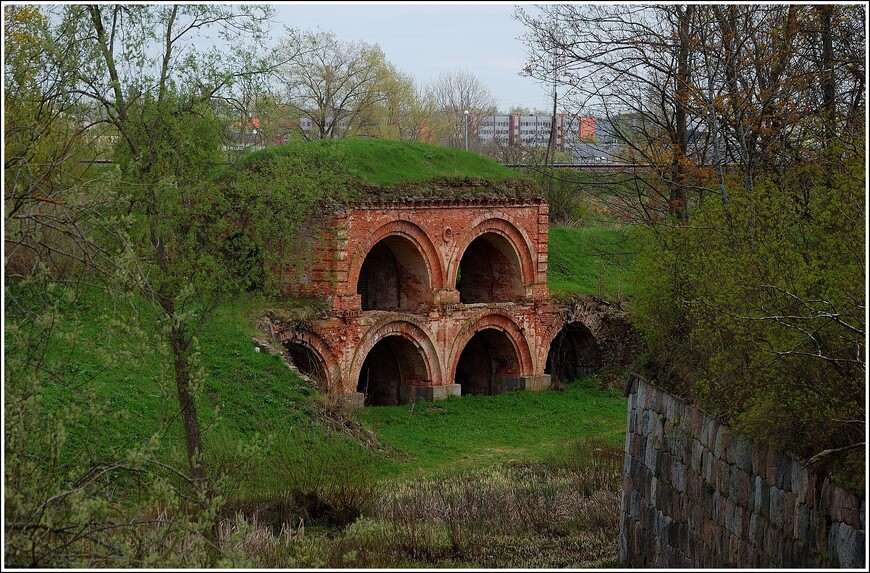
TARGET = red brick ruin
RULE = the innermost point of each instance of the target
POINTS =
(433, 298)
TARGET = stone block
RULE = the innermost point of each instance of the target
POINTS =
(502, 384)
(707, 466)
(723, 477)
(678, 473)
(697, 453)
(634, 505)
(740, 453)
(651, 457)
(800, 481)
(756, 526)
(771, 540)
(848, 547)
(708, 434)
(410, 393)
(771, 465)
(783, 472)
(788, 511)
(664, 472)
(697, 422)
(738, 487)
(622, 547)
(759, 461)
(721, 444)
(353, 401)
(801, 522)
(537, 383)
(641, 390)
(717, 515)
(671, 408)
(845, 506)
(775, 508)
(761, 496)
(648, 418)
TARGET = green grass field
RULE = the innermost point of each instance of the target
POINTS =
(381, 162)
(590, 260)
(474, 432)
(249, 396)
(274, 439)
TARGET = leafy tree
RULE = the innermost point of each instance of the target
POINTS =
(761, 315)
(168, 226)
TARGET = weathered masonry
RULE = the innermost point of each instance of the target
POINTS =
(432, 298)
(693, 496)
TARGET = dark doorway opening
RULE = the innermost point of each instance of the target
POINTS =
(574, 353)
(489, 354)
(394, 276)
(390, 363)
(489, 271)
(308, 363)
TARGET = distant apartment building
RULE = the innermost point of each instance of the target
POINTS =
(527, 130)
(585, 138)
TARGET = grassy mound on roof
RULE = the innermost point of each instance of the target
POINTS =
(390, 170)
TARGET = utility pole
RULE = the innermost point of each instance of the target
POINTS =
(551, 146)
(466, 130)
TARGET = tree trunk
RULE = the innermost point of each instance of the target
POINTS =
(192, 432)
(681, 96)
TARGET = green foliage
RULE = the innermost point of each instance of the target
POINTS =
(591, 260)
(82, 470)
(757, 308)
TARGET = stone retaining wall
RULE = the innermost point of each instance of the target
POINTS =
(694, 496)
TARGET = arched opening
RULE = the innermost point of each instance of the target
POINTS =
(489, 354)
(392, 362)
(308, 363)
(394, 276)
(489, 271)
(574, 353)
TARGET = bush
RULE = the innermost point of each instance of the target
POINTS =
(756, 309)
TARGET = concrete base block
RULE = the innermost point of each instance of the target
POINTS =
(537, 383)
(409, 394)
(502, 384)
(353, 401)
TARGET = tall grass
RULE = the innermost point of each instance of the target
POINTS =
(564, 511)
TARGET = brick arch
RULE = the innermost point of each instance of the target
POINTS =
(328, 360)
(406, 329)
(571, 352)
(521, 244)
(412, 233)
(495, 321)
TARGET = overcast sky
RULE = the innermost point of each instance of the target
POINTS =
(424, 39)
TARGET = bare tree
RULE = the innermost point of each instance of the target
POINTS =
(453, 94)
(335, 83)
(761, 106)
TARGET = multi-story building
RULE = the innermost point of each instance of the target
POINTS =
(586, 138)
(526, 130)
